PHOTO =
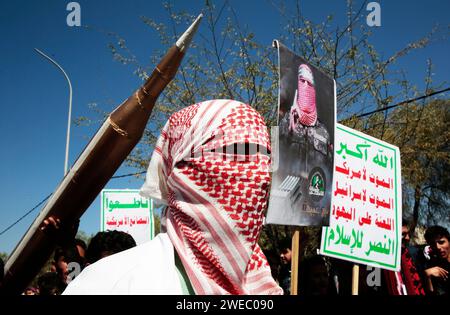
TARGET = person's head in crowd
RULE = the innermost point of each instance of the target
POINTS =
(284, 272)
(406, 237)
(50, 283)
(314, 278)
(285, 252)
(31, 291)
(63, 257)
(438, 238)
(81, 246)
(108, 243)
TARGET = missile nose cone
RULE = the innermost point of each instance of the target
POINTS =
(185, 40)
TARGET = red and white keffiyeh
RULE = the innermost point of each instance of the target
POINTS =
(216, 198)
(304, 108)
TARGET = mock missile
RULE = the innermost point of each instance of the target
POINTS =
(98, 162)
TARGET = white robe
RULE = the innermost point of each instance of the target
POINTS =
(145, 269)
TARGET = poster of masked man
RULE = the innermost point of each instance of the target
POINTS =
(302, 183)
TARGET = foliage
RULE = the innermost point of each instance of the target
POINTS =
(421, 131)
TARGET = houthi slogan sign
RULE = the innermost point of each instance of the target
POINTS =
(127, 211)
(365, 218)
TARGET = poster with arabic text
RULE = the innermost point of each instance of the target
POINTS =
(366, 206)
(125, 210)
(301, 184)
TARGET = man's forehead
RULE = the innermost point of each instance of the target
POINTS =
(438, 239)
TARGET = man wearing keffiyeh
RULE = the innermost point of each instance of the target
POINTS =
(306, 139)
(302, 120)
(304, 110)
(210, 167)
(407, 281)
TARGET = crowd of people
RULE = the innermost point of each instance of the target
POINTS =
(71, 258)
(424, 270)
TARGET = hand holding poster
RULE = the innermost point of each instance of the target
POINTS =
(365, 219)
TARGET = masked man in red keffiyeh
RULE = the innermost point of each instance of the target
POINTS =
(304, 110)
(211, 168)
(306, 143)
(302, 120)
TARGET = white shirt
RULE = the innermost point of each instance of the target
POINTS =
(145, 269)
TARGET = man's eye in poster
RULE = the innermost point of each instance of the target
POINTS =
(302, 183)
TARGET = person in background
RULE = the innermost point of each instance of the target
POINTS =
(50, 283)
(68, 257)
(31, 291)
(284, 274)
(438, 267)
(407, 281)
(108, 243)
(67, 262)
(81, 246)
(314, 278)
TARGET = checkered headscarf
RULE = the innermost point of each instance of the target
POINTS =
(304, 108)
(216, 197)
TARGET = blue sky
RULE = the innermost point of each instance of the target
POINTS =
(34, 103)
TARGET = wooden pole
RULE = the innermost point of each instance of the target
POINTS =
(355, 279)
(295, 253)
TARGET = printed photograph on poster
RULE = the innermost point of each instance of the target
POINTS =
(302, 183)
